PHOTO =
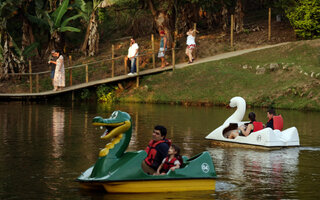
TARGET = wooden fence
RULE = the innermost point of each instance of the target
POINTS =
(83, 73)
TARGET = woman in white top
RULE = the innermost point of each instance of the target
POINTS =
(191, 44)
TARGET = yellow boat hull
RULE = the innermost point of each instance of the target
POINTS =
(159, 186)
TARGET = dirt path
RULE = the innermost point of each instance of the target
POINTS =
(227, 55)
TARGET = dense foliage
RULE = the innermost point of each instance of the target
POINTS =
(32, 28)
(305, 18)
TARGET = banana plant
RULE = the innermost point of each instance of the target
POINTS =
(58, 23)
(89, 9)
(10, 62)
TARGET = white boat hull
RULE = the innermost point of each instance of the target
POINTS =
(265, 137)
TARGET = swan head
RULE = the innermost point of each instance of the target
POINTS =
(236, 102)
(237, 116)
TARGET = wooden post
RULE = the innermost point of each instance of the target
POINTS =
(125, 65)
(70, 70)
(37, 83)
(173, 50)
(153, 55)
(112, 71)
(137, 64)
(173, 59)
(87, 73)
(269, 25)
(30, 75)
(231, 31)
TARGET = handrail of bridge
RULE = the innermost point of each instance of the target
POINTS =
(86, 66)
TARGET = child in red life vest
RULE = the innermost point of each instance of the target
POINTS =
(171, 162)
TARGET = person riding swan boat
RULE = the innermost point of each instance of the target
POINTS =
(266, 137)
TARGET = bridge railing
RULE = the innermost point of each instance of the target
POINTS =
(92, 71)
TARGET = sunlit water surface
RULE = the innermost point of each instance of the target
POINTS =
(44, 148)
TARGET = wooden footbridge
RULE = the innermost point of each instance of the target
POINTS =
(116, 75)
(72, 88)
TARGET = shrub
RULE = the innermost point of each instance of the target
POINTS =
(304, 16)
(106, 93)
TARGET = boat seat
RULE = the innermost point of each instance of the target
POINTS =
(278, 122)
(184, 161)
(257, 126)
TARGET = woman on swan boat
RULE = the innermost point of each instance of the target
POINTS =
(245, 130)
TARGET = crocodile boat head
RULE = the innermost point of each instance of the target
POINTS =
(118, 129)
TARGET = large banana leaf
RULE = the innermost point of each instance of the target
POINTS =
(65, 22)
(80, 4)
(69, 28)
(84, 8)
(58, 14)
(38, 21)
(28, 51)
(15, 46)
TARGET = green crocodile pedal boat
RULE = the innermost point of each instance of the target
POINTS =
(118, 171)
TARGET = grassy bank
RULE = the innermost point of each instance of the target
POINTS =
(291, 80)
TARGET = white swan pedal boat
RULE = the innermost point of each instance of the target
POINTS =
(265, 138)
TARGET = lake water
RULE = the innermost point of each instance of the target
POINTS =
(44, 148)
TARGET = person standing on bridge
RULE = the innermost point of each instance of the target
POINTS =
(191, 44)
(132, 55)
(163, 48)
(52, 65)
(59, 75)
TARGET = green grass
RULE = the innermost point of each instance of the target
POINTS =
(217, 82)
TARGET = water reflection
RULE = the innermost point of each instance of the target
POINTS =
(50, 145)
(57, 131)
(257, 170)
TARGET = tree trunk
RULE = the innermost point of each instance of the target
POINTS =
(162, 21)
(11, 63)
(224, 18)
(52, 5)
(54, 43)
(90, 44)
(238, 15)
(93, 41)
(27, 36)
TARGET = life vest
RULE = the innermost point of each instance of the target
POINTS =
(168, 164)
(151, 150)
(278, 122)
(257, 126)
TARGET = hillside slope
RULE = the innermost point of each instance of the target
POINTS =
(287, 76)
